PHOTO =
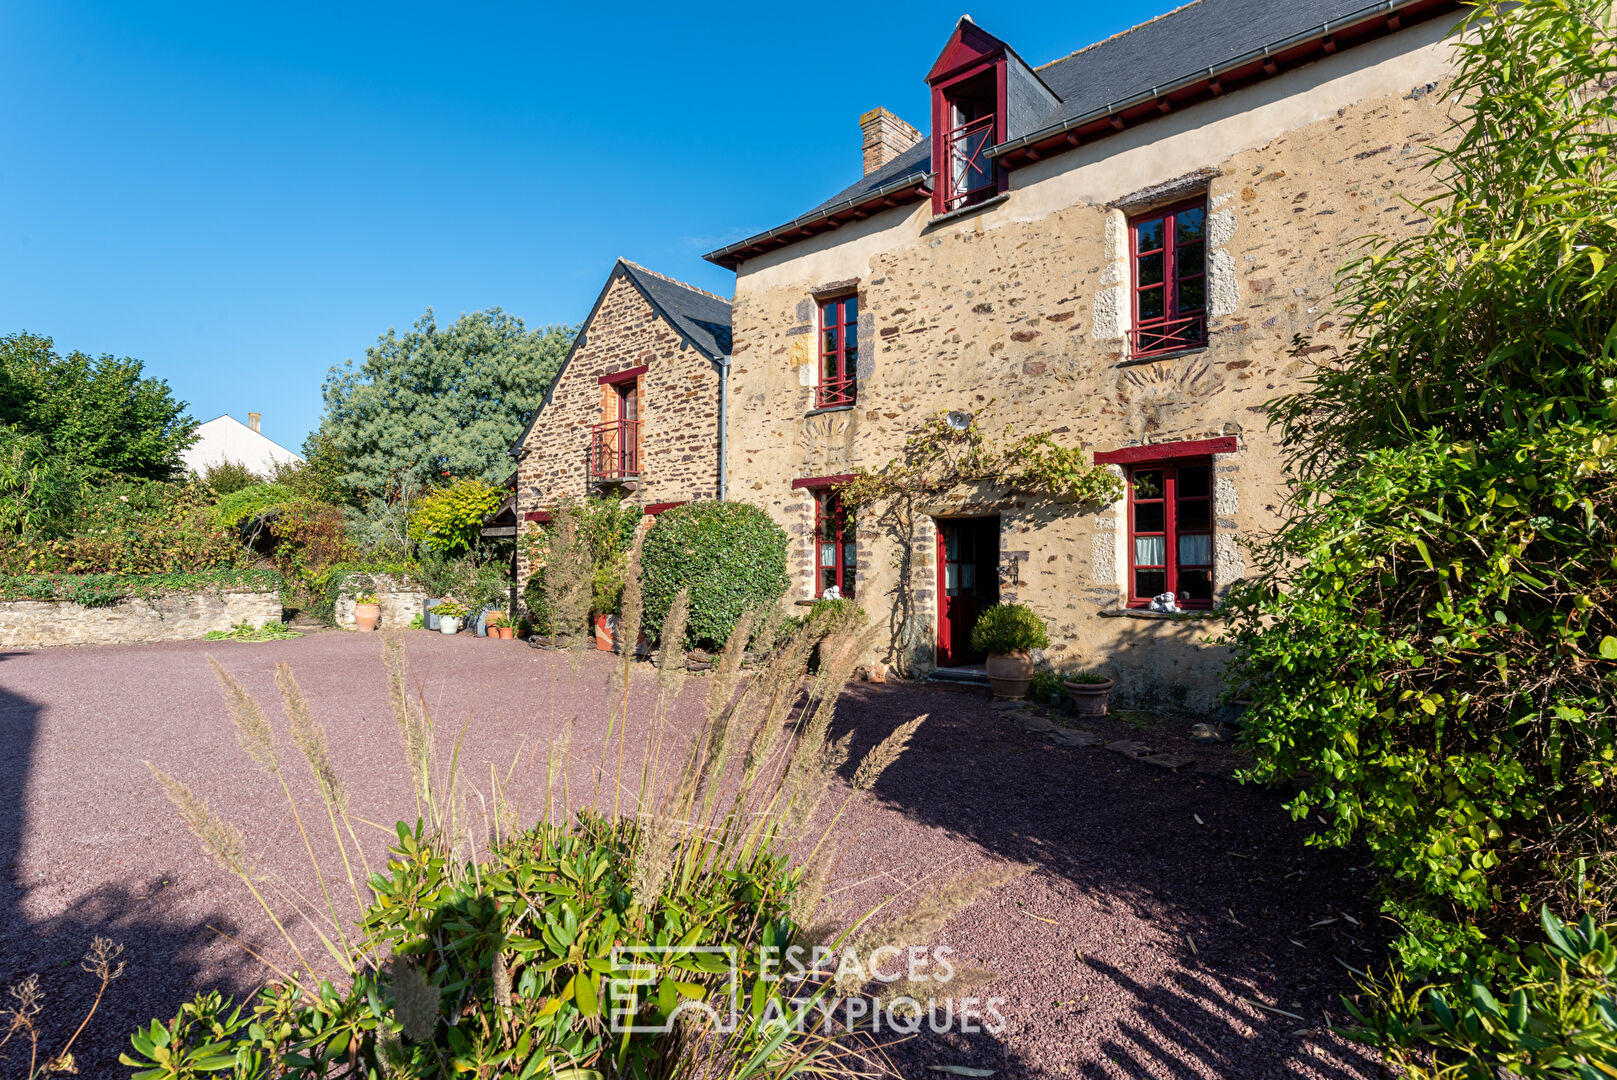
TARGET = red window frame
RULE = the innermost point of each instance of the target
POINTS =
(945, 195)
(838, 384)
(835, 530)
(1179, 326)
(1172, 566)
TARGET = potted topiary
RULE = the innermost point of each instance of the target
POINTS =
(1088, 691)
(367, 612)
(449, 615)
(1008, 633)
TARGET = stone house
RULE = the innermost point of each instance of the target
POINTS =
(636, 409)
(1117, 248)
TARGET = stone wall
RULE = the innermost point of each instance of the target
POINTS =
(679, 411)
(400, 601)
(1018, 314)
(181, 617)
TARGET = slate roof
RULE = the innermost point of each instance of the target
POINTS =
(701, 316)
(1181, 43)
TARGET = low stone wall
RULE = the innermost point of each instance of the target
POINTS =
(180, 617)
(400, 601)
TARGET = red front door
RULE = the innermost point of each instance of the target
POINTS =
(968, 581)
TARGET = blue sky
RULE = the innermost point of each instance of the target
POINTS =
(242, 194)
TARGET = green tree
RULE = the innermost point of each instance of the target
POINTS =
(96, 414)
(1430, 647)
(432, 403)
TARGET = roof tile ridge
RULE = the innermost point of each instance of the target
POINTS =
(675, 281)
(1119, 34)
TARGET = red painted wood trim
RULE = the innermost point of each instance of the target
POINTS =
(1130, 455)
(624, 376)
(541, 516)
(821, 481)
(657, 508)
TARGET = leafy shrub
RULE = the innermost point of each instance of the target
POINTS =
(1046, 685)
(229, 477)
(536, 599)
(100, 590)
(1089, 678)
(835, 614)
(131, 527)
(449, 519)
(242, 505)
(730, 556)
(1008, 628)
(36, 490)
(1553, 1018)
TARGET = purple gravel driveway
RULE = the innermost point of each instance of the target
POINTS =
(1160, 906)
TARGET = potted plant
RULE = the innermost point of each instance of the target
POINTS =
(1088, 691)
(1008, 633)
(367, 612)
(499, 625)
(449, 615)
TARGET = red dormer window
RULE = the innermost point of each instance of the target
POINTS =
(968, 118)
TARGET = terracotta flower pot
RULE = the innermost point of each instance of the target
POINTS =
(1010, 674)
(367, 616)
(877, 671)
(605, 630)
(1089, 699)
(506, 632)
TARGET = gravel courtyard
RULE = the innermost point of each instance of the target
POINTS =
(1163, 908)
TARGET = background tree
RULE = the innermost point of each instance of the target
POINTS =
(434, 402)
(99, 415)
(1430, 648)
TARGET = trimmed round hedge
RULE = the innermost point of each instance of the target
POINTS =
(730, 556)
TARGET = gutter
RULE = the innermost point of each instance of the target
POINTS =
(724, 419)
(1156, 93)
(892, 187)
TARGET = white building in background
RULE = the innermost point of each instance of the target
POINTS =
(224, 438)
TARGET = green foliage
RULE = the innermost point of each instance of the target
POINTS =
(1429, 646)
(99, 416)
(229, 477)
(500, 972)
(448, 519)
(319, 476)
(36, 489)
(1008, 628)
(729, 555)
(438, 402)
(242, 631)
(1553, 1018)
(365, 598)
(536, 599)
(100, 590)
(1088, 678)
(451, 609)
(833, 615)
(238, 507)
(1046, 685)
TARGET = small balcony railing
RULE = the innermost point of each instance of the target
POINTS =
(614, 452)
(971, 170)
(835, 393)
(1168, 335)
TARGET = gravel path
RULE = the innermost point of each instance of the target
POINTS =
(1135, 947)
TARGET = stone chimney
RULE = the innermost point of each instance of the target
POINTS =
(253, 419)
(886, 137)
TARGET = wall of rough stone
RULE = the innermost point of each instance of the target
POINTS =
(1018, 315)
(181, 617)
(400, 601)
(679, 411)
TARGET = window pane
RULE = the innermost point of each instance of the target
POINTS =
(1195, 515)
(1189, 225)
(1150, 270)
(1151, 304)
(1149, 550)
(951, 544)
(950, 578)
(1195, 480)
(828, 554)
(1148, 235)
(1189, 260)
(1148, 583)
(850, 558)
(1148, 517)
(1192, 295)
(828, 578)
(850, 360)
(850, 310)
(1195, 584)
(968, 576)
(828, 314)
(1148, 484)
(1195, 549)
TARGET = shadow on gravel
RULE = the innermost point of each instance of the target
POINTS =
(41, 935)
(1199, 913)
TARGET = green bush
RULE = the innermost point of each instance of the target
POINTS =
(450, 519)
(229, 477)
(1046, 685)
(537, 601)
(1553, 1018)
(100, 590)
(1089, 678)
(730, 556)
(1008, 628)
(244, 504)
(131, 527)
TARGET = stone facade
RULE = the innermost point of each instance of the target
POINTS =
(678, 400)
(399, 600)
(181, 617)
(1017, 313)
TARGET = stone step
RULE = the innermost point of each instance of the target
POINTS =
(959, 676)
